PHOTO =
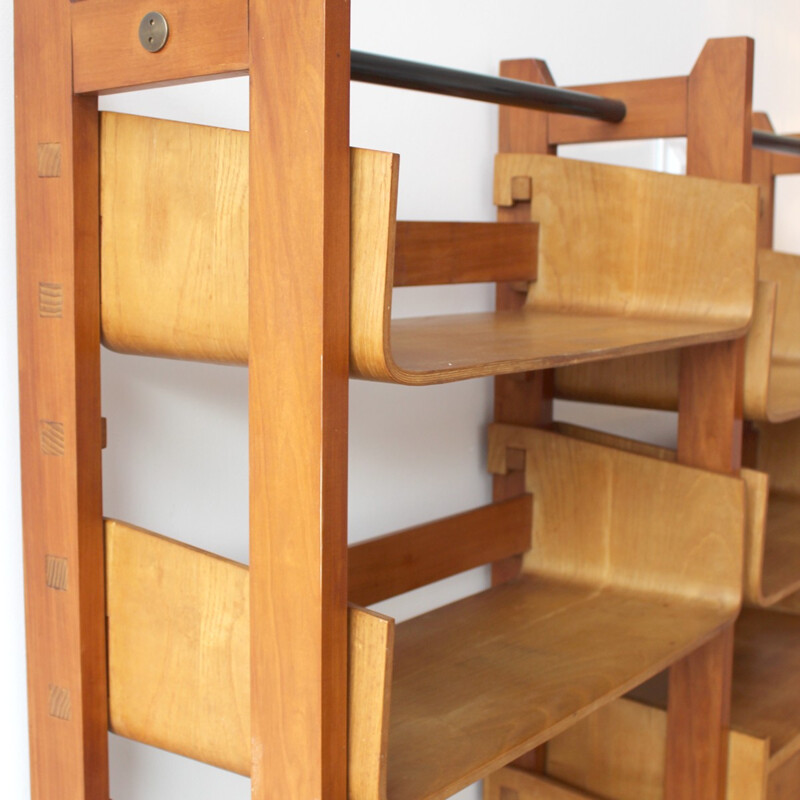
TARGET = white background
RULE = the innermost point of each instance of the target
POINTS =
(177, 455)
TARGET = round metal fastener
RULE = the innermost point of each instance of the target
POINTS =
(153, 31)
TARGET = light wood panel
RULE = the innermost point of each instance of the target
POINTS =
(206, 39)
(567, 318)
(771, 363)
(598, 537)
(298, 305)
(772, 534)
(399, 562)
(56, 142)
(179, 647)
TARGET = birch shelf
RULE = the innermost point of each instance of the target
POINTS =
(617, 751)
(440, 701)
(625, 261)
(772, 532)
(772, 357)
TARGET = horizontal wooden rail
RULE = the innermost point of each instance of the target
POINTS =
(431, 253)
(399, 562)
(207, 38)
(656, 109)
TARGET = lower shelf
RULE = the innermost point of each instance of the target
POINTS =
(618, 752)
(480, 682)
(475, 683)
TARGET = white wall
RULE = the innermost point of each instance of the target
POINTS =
(177, 454)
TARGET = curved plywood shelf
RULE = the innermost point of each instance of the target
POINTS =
(617, 752)
(628, 261)
(617, 590)
(772, 535)
(772, 357)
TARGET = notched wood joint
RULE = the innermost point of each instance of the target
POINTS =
(51, 437)
(60, 705)
(51, 300)
(515, 459)
(49, 159)
(521, 189)
(56, 572)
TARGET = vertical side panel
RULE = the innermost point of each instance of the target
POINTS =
(59, 361)
(710, 423)
(298, 344)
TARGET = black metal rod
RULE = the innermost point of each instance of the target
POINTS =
(386, 71)
(765, 140)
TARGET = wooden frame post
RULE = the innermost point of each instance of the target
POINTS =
(59, 362)
(525, 398)
(719, 122)
(298, 371)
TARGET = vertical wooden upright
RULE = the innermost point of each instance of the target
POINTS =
(525, 398)
(59, 361)
(298, 371)
(719, 139)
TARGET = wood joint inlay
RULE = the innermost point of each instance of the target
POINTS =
(49, 159)
(51, 437)
(56, 571)
(51, 300)
(521, 188)
(60, 705)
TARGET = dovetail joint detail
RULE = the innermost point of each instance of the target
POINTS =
(56, 571)
(60, 705)
(51, 437)
(49, 159)
(51, 300)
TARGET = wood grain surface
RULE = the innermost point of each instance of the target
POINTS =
(206, 39)
(57, 182)
(299, 262)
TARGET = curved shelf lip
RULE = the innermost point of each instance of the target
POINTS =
(443, 348)
(772, 360)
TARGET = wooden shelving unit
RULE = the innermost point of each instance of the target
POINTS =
(279, 249)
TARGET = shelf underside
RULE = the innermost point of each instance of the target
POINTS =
(444, 348)
(483, 680)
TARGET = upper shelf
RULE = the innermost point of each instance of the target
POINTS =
(629, 261)
(634, 563)
(772, 357)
